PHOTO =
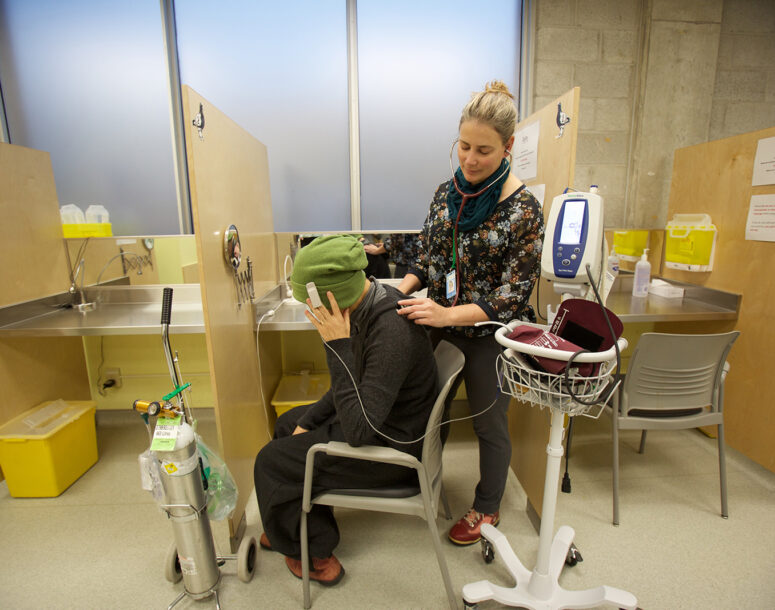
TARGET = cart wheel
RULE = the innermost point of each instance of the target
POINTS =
(246, 559)
(488, 552)
(573, 556)
(172, 570)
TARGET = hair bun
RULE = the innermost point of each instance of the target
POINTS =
(497, 86)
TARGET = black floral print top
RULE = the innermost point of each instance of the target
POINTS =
(402, 247)
(499, 261)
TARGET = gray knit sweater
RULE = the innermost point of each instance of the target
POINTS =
(392, 364)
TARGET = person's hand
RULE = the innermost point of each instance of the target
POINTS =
(375, 248)
(299, 430)
(425, 311)
(331, 324)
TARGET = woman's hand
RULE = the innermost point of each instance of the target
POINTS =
(375, 248)
(426, 312)
(330, 324)
(299, 430)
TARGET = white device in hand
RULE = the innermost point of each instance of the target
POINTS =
(314, 297)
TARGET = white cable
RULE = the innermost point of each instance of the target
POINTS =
(268, 314)
(382, 434)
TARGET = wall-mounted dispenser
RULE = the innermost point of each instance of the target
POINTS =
(690, 242)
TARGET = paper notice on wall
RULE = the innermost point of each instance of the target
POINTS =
(764, 163)
(525, 152)
(539, 191)
(761, 218)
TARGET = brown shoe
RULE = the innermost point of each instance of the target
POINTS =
(327, 572)
(264, 543)
(469, 529)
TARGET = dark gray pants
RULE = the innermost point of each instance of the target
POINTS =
(279, 479)
(491, 428)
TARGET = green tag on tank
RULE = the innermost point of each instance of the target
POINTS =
(166, 433)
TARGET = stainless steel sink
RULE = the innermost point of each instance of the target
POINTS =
(118, 310)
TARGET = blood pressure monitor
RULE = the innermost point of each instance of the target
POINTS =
(574, 238)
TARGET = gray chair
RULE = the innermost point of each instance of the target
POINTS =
(673, 382)
(422, 500)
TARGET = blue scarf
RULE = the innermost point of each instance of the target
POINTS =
(476, 209)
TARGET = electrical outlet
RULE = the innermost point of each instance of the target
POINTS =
(111, 378)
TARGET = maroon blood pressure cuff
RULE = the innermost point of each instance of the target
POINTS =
(531, 335)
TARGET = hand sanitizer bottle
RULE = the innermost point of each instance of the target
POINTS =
(640, 284)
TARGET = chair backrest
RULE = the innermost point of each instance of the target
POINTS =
(449, 362)
(672, 371)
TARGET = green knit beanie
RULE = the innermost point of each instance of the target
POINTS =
(333, 262)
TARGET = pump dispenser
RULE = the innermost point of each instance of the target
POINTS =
(640, 284)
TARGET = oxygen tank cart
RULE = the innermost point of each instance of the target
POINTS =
(180, 485)
(539, 589)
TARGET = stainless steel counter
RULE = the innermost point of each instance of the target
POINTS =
(697, 304)
(136, 310)
(119, 310)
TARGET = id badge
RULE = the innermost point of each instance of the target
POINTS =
(451, 284)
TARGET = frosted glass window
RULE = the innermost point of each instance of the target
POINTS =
(86, 81)
(419, 62)
(279, 70)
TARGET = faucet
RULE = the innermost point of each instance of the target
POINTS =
(77, 297)
(139, 258)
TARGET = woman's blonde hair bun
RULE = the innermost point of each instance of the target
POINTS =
(497, 86)
(495, 107)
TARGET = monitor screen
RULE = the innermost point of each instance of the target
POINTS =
(572, 221)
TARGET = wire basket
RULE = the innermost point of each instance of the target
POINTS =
(523, 381)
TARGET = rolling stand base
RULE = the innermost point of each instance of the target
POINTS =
(541, 591)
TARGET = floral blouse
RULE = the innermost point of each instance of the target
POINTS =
(499, 261)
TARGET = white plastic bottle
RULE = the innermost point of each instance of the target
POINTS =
(640, 284)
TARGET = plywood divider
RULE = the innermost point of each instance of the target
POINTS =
(715, 178)
(229, 183)
(529, 426)
(34, 263)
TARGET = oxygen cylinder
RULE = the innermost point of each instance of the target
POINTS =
(181, 479)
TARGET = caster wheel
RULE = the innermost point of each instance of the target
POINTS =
(488, 552)
(468, 606)
(246, 559)
(172, 570)
(573, 556)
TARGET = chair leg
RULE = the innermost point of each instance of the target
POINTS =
(722, 470)
(444, 503)
(642, 447)
(431, 520)
(615, 469)
(305, 560)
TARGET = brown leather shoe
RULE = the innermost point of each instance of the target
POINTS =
(469, 529)
(264, 543)
(327, 572)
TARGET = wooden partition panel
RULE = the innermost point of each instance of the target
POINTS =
(529, 426)
(715, 178)
(31, 241)
(229, 183)
(33, 266)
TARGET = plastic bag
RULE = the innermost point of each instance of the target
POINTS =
(150, 475)
(221, 493)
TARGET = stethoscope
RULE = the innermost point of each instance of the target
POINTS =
(466, 197)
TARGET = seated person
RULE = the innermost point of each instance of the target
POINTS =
(391, 362)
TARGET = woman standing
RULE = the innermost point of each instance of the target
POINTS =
(480, 255)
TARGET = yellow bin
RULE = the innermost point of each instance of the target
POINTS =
(44, 450)
(296, 390)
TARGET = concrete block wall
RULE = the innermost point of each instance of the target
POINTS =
(592, 44)
(655, 75)
(744, 91)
